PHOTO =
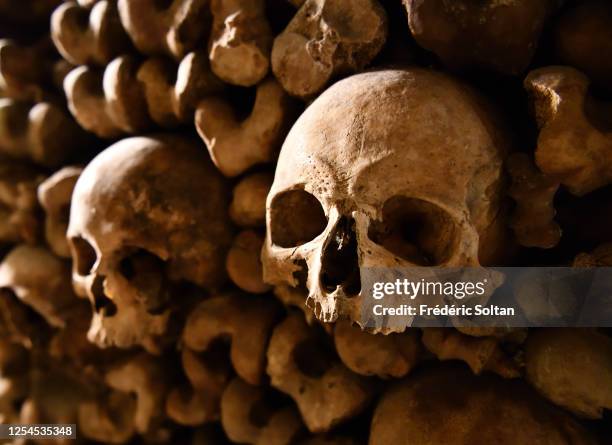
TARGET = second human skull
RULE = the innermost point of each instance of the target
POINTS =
(393, 168)
(146, 212)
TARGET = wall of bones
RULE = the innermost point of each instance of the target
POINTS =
(170, 275)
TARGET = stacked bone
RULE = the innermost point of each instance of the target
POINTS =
(133, 300)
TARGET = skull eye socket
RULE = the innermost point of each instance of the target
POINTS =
(101, 303)
(146, 272)
(296, 217)
(415, 230)
(84, 254)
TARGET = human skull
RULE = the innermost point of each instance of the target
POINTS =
(394, 168)
(145, 213)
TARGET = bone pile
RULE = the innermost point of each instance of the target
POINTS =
(169, 275)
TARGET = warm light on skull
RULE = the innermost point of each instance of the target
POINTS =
(385, 169)
(146, 213)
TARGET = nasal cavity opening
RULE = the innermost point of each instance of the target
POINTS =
(102, 304)
(340, 262)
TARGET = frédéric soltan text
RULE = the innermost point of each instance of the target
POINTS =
(446, 310)
(413, 289)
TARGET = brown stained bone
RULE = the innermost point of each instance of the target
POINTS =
(143, 188)
(534, 192)
(13, 358)
(497, 35)
(240, 41)
(327, 214)
(246, 320)
(583, 39)
(510, 335)
(173, 27)
(87, 3)
(208, 372)
(385, 356)
(86, 36)
(234, 145)
(109, 419)
(248, 207)
(61, 68)
(325, 39)
(43, 133)
(71, 347)
(172, 93)
(601, 256)
(40, 280)
(295, 297)
(449, 405)
(199, 402)
(187, 406)
(25, 70)
(54, 396)
(128, 96)
(249, 416)
(301, 365)
(575, 143)
(14, 380)
(19, 323)
(243, 262)
(19, 212)
(109, 103)
(572, 368)
(145, 379)
(54, 195)
(479, 353)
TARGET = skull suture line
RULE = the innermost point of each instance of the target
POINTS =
(384, 169)
(145, 213)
